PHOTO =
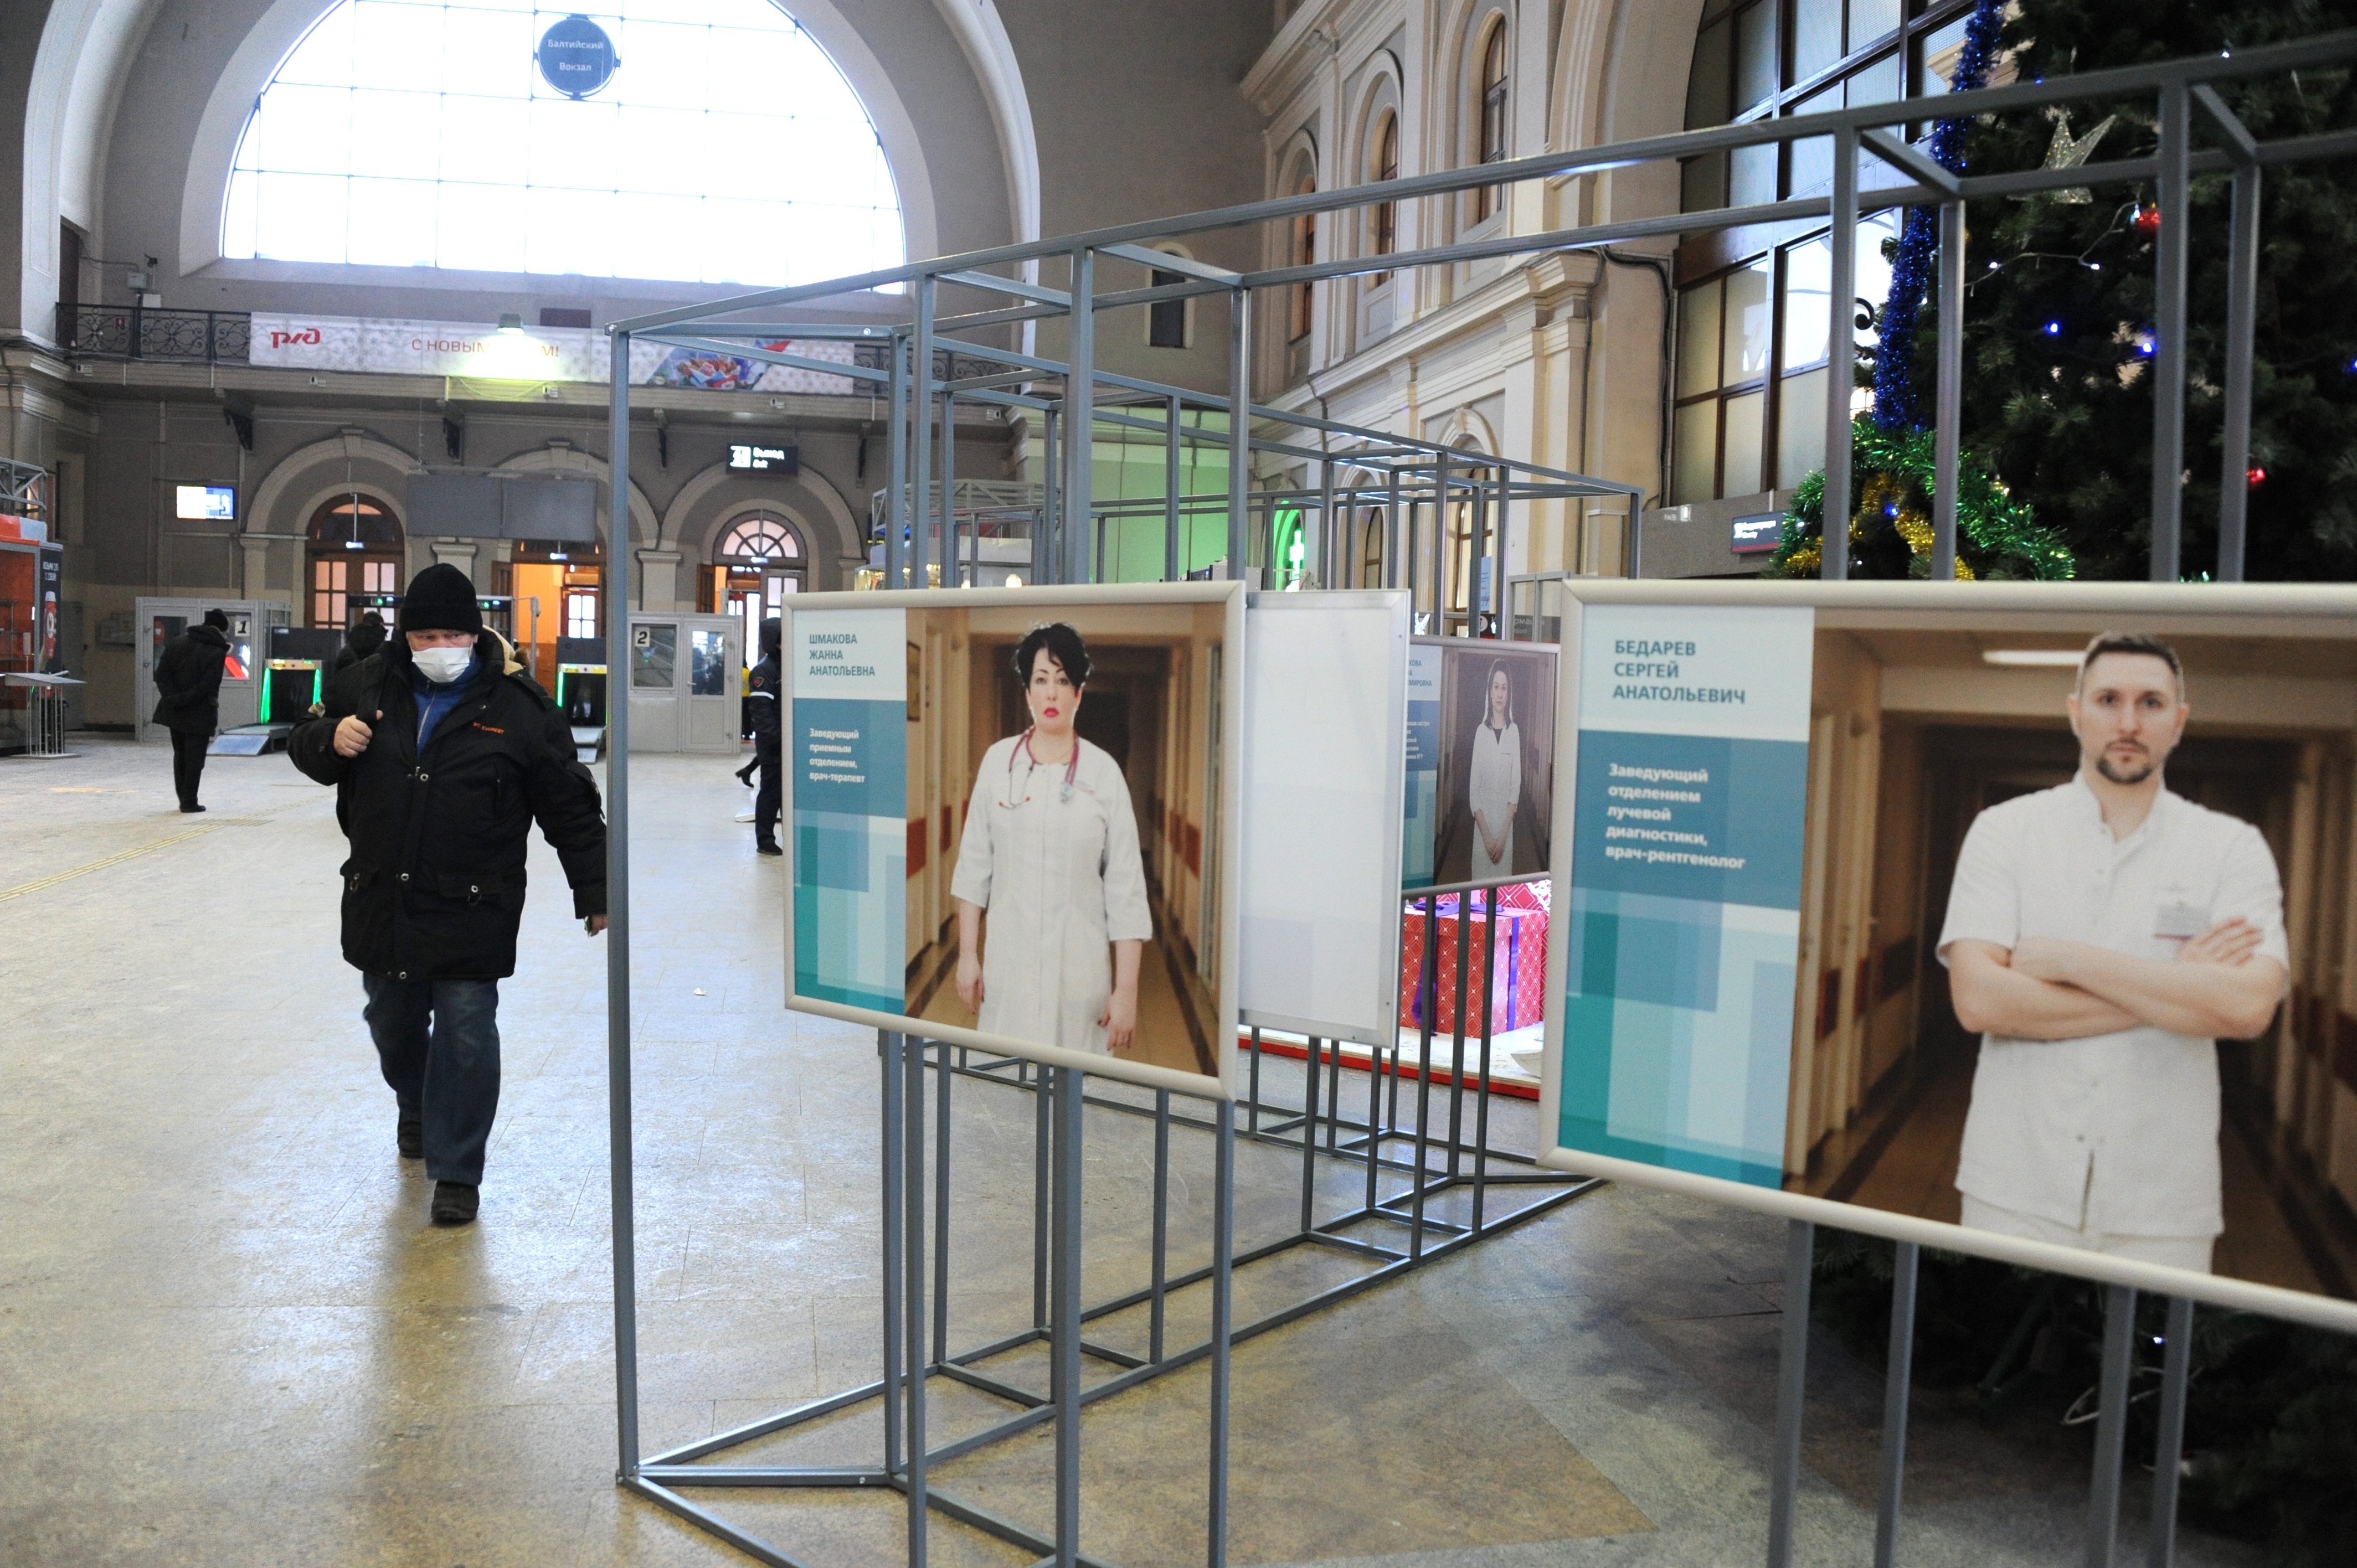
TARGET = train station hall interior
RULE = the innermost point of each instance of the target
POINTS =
(308, 311)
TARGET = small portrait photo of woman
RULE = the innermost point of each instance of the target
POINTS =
(1049, 854)
(1496, 786)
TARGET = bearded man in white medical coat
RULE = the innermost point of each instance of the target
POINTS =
(2101, 936)
(1050, 850)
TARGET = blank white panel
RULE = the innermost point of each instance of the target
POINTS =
(1324, 742)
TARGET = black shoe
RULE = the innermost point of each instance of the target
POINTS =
(411, 1137)
(745, 774)
(454, 1203)
(192, 807)
(767, 849)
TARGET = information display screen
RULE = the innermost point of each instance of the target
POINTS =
(205, 503)
(2000, 918)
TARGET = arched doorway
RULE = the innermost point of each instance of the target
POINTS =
(758, 560)
(1465, 571)
(352, 555)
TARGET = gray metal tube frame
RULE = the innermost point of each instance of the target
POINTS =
(618, 918)
(2111, 1425)
(1791, 1391)
(1897, 1376)
(2168, 358)
(1949, 417)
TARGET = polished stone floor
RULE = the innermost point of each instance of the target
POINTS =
(229, 1337)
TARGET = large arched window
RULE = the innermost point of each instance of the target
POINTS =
(1753, 318)
(726, 147)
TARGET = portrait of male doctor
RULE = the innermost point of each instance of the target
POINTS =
(2101, 937)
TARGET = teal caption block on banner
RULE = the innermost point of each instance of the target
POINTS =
(1682, 933)
(847, 745)
(1423, 831)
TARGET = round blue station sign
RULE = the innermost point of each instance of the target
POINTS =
(576, 57)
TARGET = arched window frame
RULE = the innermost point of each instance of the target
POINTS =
(1488, 129)
(1378, 160)
(796, 554)
(1301, 251)
(906, 216)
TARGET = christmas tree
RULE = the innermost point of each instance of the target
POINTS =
(2057, 386)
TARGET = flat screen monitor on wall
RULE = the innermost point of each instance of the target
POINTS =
(2003, 919)
(205, 503)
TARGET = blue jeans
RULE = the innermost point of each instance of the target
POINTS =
(445, 1075)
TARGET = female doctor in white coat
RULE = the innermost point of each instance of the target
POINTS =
(1493, 784)
(1050, 850)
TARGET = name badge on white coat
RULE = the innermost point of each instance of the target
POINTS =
(2180, 919)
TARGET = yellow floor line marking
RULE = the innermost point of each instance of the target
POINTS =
(24, 887)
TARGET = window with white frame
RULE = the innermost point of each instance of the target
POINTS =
(725, 147)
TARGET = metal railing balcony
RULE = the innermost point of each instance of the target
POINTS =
(170, 337)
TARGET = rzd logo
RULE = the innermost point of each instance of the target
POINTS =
(307, 335)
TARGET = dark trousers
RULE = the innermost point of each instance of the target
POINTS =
(771, 798)
(438, 1043)
(188, 761)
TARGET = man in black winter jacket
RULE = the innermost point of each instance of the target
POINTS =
(365, 637)
(188, 698)
(763, 693)
(443, 755)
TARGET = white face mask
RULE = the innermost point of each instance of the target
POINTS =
(443, 665)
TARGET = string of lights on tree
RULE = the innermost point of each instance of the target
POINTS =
(1892, 462)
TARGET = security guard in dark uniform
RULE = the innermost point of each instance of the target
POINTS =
(764, 692)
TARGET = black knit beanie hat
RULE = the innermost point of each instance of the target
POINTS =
(440, 599)
(217, 620)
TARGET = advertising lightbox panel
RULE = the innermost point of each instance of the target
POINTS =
(1040, 863)
(1862, 922)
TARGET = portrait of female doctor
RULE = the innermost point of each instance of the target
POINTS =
(1493, 780)
(1050, 850)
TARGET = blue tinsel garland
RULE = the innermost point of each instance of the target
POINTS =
(1896, 405)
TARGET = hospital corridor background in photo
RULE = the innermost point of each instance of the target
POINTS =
(1915, 732)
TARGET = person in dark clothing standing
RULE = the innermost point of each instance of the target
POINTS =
(365, 637)
(443, 753)
(188, 698)
(763, 693)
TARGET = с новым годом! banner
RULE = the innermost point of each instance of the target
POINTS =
(1009, 819)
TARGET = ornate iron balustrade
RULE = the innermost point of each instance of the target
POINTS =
(174, 336)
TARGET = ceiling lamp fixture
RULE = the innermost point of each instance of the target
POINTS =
(2035, 658)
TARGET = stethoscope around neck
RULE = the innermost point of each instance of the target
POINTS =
(1072, 767)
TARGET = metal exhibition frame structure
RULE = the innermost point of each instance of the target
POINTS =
(1400, 478)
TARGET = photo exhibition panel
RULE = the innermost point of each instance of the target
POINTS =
(1012, 821)
(2017, 926)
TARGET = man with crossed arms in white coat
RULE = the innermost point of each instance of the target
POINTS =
(2101, 936)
